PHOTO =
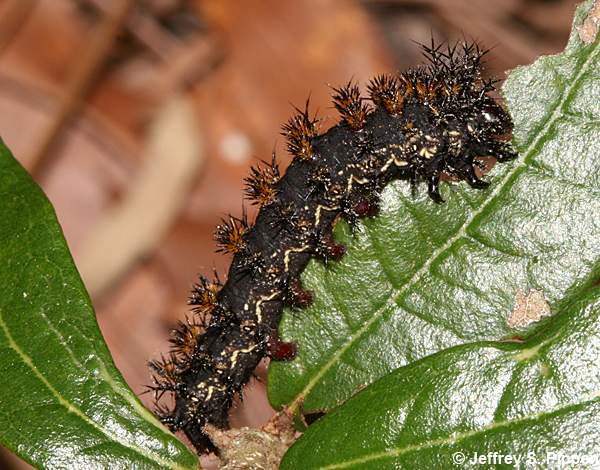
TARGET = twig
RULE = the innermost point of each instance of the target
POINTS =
(130, 230)
(90, 60)
(13, 15)
(183, 62)
(147, 31)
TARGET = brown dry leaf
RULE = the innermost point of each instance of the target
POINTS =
(132, 229)
(589, 29)
(529, 307)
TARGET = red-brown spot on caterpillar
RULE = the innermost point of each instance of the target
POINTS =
(330, 249)
(365, 208)
(297, 295)
(281, 350)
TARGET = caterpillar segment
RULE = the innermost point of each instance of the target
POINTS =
(420, 124)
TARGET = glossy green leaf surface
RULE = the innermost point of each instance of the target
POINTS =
(431, 287)
(494, 405)
(63, 402)
(422, 277)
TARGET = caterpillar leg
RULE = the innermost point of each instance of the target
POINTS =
(473, 180)
(503, 151)
(433, 188)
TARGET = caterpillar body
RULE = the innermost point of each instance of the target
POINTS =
(417, 125)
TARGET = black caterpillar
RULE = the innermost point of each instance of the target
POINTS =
(428, 121)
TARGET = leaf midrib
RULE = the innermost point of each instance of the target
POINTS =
(457, 437)
(74, 409)
(144, 414)
(396, 294)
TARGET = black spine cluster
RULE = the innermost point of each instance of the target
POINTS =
(428, 121)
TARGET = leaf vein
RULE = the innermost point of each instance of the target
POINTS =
(458, 437)
(528, 153)
(70, 407)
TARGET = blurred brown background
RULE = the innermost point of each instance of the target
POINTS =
(140, 118)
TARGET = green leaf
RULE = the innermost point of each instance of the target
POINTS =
(539, 402)
(63, 402)
(433, 288)
(423, 277)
